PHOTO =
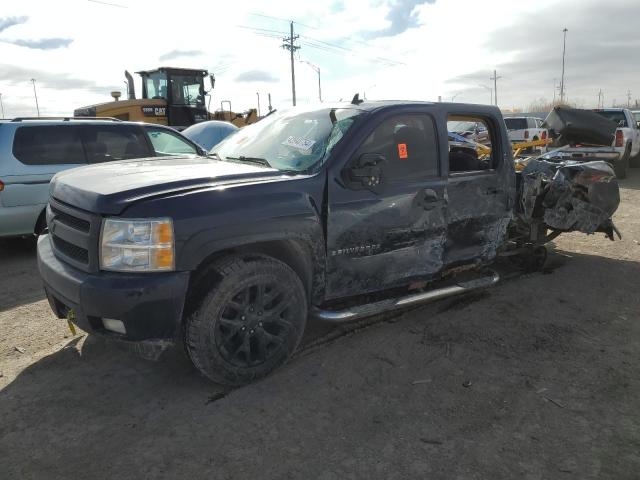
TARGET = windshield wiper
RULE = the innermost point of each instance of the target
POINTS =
(255, 160)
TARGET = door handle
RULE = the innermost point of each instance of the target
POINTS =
(492, 191)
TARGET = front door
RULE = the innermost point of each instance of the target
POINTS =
(387, 213)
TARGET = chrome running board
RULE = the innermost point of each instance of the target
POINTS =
(369, 309)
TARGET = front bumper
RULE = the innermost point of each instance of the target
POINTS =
(149, 304)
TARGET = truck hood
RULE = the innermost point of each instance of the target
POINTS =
(110, 187)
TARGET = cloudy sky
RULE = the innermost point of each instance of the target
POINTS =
(77, 50)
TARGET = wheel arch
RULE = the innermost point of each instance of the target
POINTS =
(303, 257)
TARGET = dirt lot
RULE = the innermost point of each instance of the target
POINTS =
(538, 378)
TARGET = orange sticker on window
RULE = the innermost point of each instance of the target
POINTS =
(402, 151)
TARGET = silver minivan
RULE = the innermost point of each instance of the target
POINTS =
(33, 150)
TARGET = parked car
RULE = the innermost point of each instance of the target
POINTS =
(627, 140)
(33, 150)
(209, 134)
(526, 129)
(336, 212)
(472, 130)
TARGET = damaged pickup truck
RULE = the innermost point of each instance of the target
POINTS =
(331, 213)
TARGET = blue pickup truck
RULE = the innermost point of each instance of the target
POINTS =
(331, 213)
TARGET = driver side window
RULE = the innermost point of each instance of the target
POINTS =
(166, 143)
(409, 145)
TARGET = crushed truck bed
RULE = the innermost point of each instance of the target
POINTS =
(569, 196)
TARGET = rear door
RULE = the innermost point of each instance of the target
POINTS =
(386, 214)
(481, 186)
(33, 156)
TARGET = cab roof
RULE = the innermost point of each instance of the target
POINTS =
(170, 70)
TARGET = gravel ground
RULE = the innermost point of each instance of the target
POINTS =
(537, 378)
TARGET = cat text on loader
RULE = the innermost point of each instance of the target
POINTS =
(170, 96)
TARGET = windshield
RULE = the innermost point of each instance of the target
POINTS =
(187, 90)
(516, 123)
(294, 139)
(615, 116)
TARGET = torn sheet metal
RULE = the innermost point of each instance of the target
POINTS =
(572, 126)
(570, 196)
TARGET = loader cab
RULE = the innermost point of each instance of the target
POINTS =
(182, 89)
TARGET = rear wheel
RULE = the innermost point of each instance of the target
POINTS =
(634, 162)
(622, 166)
(249, 323)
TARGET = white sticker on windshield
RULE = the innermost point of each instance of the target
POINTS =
(300, 143)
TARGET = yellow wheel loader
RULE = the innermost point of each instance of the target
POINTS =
(170, 96)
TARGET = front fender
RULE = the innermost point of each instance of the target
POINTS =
(210, 221)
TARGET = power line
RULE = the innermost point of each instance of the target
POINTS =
(282, 20)
(108, 4)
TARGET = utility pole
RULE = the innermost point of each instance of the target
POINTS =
(495, 79)
(289, 45)
(258, 94)
(33, 80)
(564, 48)
(554, 92)
(1, 106)
(628, 98)
(270, 107)
(600, 99)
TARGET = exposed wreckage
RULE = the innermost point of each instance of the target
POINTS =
(571, 188)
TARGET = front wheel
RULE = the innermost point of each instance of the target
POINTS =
(249, 323)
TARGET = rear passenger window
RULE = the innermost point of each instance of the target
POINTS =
(48, 145)
(408, 142)
(110, 142)
(470, 144)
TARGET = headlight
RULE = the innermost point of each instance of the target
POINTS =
(137, 245)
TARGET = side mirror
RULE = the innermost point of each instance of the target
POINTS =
(212, 80)
(638, 124)
(366, 172)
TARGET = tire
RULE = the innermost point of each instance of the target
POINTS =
(622, 166)
(249, 323)
(634, 162)
(41, 224)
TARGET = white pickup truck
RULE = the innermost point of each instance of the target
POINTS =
(525, 129)
(627, 141)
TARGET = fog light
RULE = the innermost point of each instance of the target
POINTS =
(114, 325)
